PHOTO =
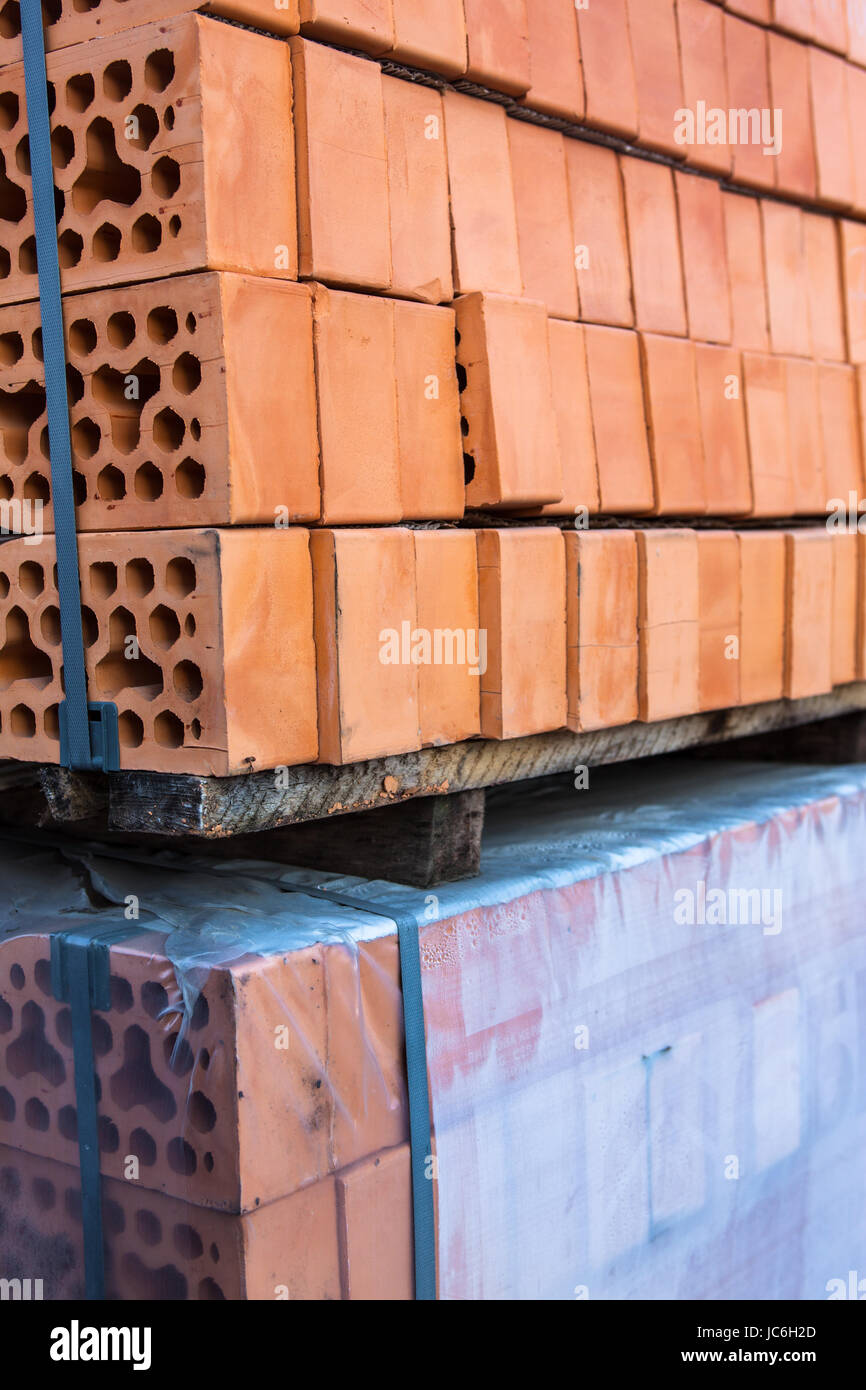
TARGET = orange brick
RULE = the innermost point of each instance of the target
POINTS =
(364, 586)
(751, 9)
(769, 446)
(744, 240)
(556, 86)
(669, 623)
(427, 36)
(343, 214)
(521, 577)
(601, 570)
(856, 31)
(625, 478)
(840, 426)
(599, 234)
(809, 627)
(507, 403)
(856, 77)
(673, 413)
(854, 274)
(749, 90)
(805, 437)
(543, 217)
(846, 608)
(719, 579)
(790, 90)
(608, 71)
(727, 476)
(449, 682)
(795, 17)
(365, 24)
(355, 371)
(762, 616)
(653, 237)
(787, 295)
(498, 44)
(374, 1214)
(833, 154)
(824, 287)
(486, 254)
(830, 24)
(705, 260)
(655, 53)
(702, 54)
(573, 407)
(417, 192)
(429, 442)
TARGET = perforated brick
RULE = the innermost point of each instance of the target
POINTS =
(193, 402)
(203, 639)
(173, 151)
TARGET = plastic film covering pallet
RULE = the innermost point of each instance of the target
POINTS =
(646, 1039)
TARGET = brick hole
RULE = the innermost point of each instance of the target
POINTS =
(203, 1059)
(110, 484)
(72, 1203)
(121, 329)
(191, 323)
(31, 578)
(154, 998)
(168, 118)
(90, 625)
(148, 127)
(51, 723)
(5, 263)
(85, 6)
(67, 1123)
(168, 430)
(105, 177)
(86, 437)
(74, 384)
(42, 976)
(189, 625)
(109, 1138)
(113, 1217)
(189, 478)
(5, 1016)
(200, 1015)
(36, 1115)
(122, 997)
(70, 248)
(11, 348)
(195, 729)
(187, 1241)
(10, 1182)
(165, 177)
(208, 1162)
(148, 1226)
(36, 345)
(36, 489)
(188, 681)
(146, 234)
(139, 577)
(112, 389)
(195, 429)
(22, 160)
(20, 660)
(117, 80)
(106, 242)
(159, 69)
(181, 1157)
(4, 586)
(143, 1146)
(7, 1106)
(174, 225)
(164, 627)
(462, 378)
(149, 483)
(62, 146)
(154, 1285)
(178, 1054)
(63, 1024)
(120, 670)
(44, 1193)
(464, 426)
(19, 411)
(162, 325)
(17, 977)
(80, 91)
(468, 468)
(136, 1083)
(201, 1113)
(7, 491)
(168, 730)
(10, 105)
(79, 488)
(131, 729)
(100, 1032)
(103, 578)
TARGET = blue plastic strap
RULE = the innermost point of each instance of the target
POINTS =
(89, 732)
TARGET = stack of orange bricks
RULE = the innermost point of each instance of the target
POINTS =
(361, 358)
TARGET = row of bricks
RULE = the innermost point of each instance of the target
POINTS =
(381, 178)
(345, 1237)
(219, 399)
(627, 66)
(226, 651)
